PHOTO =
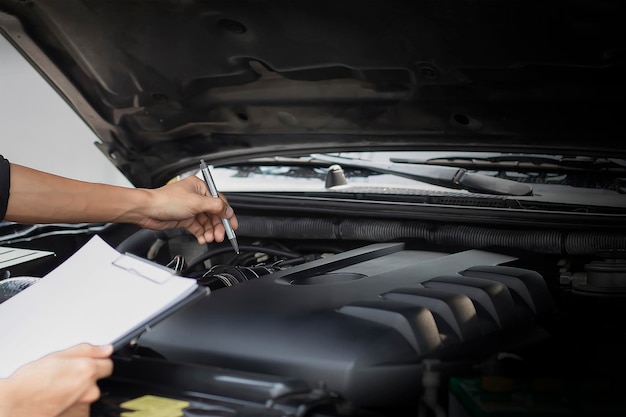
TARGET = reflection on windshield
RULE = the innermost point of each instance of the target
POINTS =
(298, 179)
(553, 177)
(285, 178)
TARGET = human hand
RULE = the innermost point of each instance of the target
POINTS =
(77, 410)
(56, 383)
(188, 204)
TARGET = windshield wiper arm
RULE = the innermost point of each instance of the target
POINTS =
(450, 177)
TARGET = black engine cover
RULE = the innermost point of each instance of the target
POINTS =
(362, 321)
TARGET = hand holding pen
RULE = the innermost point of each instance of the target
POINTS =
(208, 179)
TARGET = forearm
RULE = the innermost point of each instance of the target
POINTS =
(38, 197)
(10, 398)
(6, 404)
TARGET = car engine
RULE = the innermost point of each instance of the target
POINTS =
(316, 326)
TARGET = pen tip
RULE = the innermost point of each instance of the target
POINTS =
(233, 242)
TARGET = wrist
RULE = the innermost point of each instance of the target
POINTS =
(137, 208)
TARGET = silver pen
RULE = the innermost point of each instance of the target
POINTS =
(208, 179)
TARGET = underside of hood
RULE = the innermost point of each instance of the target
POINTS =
(163, 83)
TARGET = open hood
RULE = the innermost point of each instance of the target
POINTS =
(164, 83)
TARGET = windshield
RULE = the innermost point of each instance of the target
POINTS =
(547, 178)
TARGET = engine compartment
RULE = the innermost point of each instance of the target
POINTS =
(398, 326)
(376, 323)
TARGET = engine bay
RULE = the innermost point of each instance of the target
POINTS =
(400, 325)
(375, 324)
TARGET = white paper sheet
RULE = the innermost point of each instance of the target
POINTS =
(88, 298)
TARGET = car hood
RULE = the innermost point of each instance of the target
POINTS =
(164, 83)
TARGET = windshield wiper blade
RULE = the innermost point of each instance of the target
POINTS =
(450, 177)
(524, 162)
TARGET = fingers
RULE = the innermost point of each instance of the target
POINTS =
(77, 410)
(215, 207)
(188, 204)
(96, 366)
(210, 220)
(60, 381)
(104, 368)
(91, 395)
(230, 215)
(211, 229)
(88, 350)
(97, 362)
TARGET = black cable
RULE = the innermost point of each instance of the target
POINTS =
(249, 248)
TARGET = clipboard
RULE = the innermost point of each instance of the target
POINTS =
(146, 326)
(97, 296)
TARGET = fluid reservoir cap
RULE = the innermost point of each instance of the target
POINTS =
(335, 176)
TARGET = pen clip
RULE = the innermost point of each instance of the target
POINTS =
(143, 268)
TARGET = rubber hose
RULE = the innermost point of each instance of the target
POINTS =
(541, 241)
(579, 243)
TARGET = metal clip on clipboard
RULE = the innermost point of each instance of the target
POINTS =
(143, 268)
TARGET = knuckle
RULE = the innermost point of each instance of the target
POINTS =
(92, 394)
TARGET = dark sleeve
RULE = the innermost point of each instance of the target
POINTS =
(5, 182)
